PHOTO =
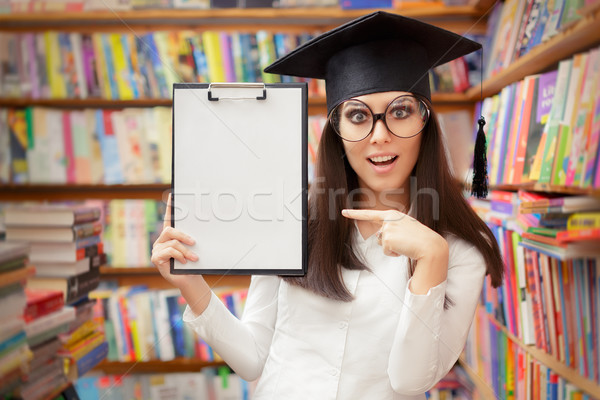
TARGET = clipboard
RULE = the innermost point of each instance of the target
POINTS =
(239, 177)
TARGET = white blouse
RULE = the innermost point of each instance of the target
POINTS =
(385, 344)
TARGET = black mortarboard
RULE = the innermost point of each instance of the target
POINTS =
(382, 52)
(378, 52)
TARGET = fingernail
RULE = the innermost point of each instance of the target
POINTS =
(191, 239)
(193, 257)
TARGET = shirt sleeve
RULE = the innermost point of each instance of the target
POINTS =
(429, 339)
(243, 343)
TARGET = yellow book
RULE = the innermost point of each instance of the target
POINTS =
(162, 117)
(135, 338)
(72, 339)
(121, 67)
(118, 226)
(58, 89)
(584, 220)
(214, 57)
(101, 70)
(86, 345)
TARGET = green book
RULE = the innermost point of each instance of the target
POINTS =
(543, 231)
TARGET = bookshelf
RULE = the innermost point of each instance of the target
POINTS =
(579, 36)
(590, 387)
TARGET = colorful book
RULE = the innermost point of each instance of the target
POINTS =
(551, 130)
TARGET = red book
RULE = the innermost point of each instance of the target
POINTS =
(556, 268)
(127, 326)
(41, 302)
(523, 130)
(578, 235)
(536, 299)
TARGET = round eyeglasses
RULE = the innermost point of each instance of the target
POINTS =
(405, 117)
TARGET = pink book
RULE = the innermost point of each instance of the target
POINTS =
(227, 54)
(29, 39)
(69, 154)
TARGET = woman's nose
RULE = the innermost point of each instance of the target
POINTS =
(380, 133)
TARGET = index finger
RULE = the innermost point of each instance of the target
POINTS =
(167, 220)
(365, 215)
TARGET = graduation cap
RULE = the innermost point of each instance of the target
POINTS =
(378, 52)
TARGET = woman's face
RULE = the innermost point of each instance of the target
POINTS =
(382, 161)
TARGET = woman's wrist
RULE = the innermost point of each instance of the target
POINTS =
(432, 266)
(196, 293)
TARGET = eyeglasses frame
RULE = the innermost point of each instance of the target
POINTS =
(380, 116)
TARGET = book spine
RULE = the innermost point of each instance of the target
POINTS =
(44, 306)
(87, 362)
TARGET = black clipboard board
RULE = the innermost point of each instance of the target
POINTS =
(239, 177)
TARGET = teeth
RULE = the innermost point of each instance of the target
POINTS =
(382, 158)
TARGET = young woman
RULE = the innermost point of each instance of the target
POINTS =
(397, 258)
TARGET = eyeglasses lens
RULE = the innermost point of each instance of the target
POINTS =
(405, 117)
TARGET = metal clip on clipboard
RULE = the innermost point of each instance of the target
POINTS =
(245, 85)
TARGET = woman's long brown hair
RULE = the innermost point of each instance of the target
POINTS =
(330, 244)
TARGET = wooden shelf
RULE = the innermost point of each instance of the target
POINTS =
(543, 187)
(316, 102)
(588, 386)
(580, 36)
(484, 388)
(151, 277)
(155, 366)
(323, 16)
(52, 192)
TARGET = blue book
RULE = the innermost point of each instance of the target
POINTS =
(13, 342)
(87, 387)
(110, 148)
(175, 319)
(360, 4)
(154, 56)
(249, 67)
(143, 61)
(91, 359)
(131, 74)
(279, 40)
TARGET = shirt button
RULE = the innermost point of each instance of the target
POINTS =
(436, 337)
(439, 304)
(333, 372)
(434, 368)
(343, 325)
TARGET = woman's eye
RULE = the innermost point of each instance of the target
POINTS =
(401, 112)
(357, 116)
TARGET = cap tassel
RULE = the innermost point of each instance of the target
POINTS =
(479, 187)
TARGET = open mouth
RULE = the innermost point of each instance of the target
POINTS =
(383, 160)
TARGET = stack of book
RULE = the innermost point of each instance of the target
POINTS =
(14, 350)
(66, 248)
(46, 317)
